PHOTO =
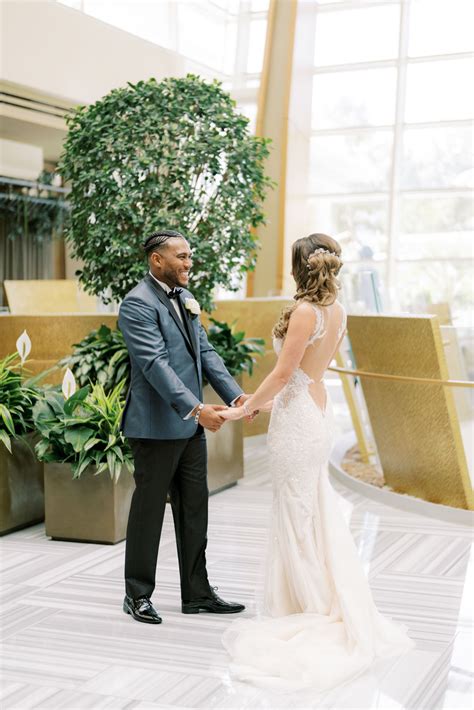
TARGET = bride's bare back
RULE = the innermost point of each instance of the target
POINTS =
(329, 330)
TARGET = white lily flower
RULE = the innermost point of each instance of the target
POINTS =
(23, 346)
(69, 384)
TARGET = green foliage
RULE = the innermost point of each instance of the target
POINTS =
(174, 154)
(83, 430)
(101, 357)
(235, 349)
(16, 401)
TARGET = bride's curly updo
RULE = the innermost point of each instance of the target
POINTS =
(316, 262)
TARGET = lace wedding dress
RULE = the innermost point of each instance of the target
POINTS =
(321, 627)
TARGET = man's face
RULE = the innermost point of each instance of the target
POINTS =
(173, 262)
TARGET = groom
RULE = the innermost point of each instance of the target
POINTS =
(164, 419)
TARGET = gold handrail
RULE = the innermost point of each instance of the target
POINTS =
(403, 378)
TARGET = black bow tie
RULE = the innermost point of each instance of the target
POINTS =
(174, 293)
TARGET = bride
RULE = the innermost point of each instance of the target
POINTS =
(321, 627)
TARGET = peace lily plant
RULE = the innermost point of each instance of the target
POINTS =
(16, 396)
(81, 427)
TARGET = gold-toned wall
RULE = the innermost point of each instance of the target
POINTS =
(415, 426)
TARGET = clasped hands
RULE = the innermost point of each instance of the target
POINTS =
(213, 416)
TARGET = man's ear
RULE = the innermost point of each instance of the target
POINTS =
(155, 258)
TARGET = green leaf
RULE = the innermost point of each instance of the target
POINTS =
(75, 400)
(7, 419)
(91, 443)
(5, 439)
(78, 436)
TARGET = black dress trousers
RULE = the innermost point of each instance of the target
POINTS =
(177, 466)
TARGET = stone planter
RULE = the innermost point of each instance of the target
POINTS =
(21, 486)
(225, 451)
(88, 509)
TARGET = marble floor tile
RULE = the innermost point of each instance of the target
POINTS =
(67, 643)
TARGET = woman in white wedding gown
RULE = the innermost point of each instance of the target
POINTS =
(321, 627)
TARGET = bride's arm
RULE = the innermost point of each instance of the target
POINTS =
(300, 329)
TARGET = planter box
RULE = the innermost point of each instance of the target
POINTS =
(225, 450)
(88, 509)
(21, 486)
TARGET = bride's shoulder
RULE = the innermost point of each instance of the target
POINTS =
(305, 309)
(306, 314)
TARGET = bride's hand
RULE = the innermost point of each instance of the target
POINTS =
(232, 413)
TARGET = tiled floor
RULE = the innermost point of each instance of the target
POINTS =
(67, 644)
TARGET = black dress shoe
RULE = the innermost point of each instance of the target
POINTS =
(212, 604)
(142, 610)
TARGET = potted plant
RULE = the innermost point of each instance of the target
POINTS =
(102, 356)
(21, 474)
(88, 486)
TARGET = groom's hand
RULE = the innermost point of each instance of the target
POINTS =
(210, 418)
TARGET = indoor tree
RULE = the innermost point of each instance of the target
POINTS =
(174, 154)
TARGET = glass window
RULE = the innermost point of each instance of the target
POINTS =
(358, 35)
(436, 228)
(149, 21)
(257, 36)
(249, 110)
(259, 5)
(445, 245)
(203, 30)
(440, 27)
(352, 176)
(422, 284)
(437, 157)
(356, 162)
(424, 215)
(354, 98)
(439, 91)
(195, 23)
(229, 6)
(364, 286)
(365, 222)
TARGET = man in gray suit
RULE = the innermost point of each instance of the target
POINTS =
(164, 419)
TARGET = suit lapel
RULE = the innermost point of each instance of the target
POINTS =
(189, 324)
(167, 302)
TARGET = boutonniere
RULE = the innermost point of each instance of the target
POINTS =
(192, 306)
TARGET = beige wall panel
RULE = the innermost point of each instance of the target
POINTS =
(42, 296)
(415, 426)
(255, 316)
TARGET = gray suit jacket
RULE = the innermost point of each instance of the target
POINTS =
(168, 358)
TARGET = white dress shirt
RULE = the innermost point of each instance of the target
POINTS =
(174, 301)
